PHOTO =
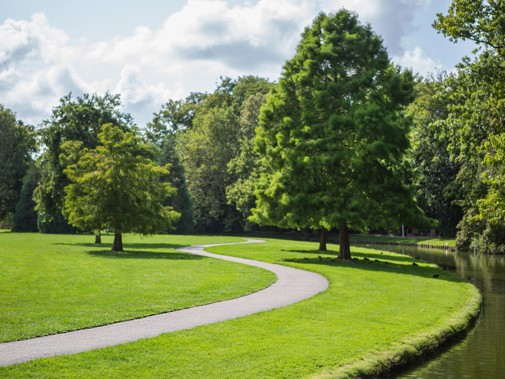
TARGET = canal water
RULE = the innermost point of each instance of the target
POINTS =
(481, 354)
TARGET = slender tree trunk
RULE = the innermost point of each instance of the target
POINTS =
(118, 239)
(98, 238)
(323, 239)
(345, 249)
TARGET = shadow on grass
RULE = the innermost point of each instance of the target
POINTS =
(133, 245)
(139, 254)
(373, 254)
(137, 250)
(370, 263)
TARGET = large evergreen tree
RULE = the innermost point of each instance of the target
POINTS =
(116, 186)
(333, 135)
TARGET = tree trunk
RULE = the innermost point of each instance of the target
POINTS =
(345, 249)
(323, 239)
(118, 239)
(98, 238)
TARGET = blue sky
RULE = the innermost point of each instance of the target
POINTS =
(152, 50)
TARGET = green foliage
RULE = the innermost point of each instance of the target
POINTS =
(436, 171)
(244, 88)
(115, 185)
(206, 149)
(17, 142)
(77, 119)
(215, 149)
(477, 20)
(491, 207)
(333, 135)
(200, 136)
(180, 201)
(174, 117)
(476, 114)
(25, 216)
(244, 167)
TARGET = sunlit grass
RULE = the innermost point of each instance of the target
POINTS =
(376, 312)
(55, 283)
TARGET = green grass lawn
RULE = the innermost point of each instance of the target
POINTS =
(437, 241)
(376, 313)
(56, 283)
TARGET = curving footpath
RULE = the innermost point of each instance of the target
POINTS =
(292, 285)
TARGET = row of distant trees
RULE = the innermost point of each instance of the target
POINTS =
(345, 140)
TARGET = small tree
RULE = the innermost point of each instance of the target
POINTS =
(74, 119)
(116, 186)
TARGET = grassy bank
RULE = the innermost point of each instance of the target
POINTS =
(378, 312)
(432, 241)
(56, 283)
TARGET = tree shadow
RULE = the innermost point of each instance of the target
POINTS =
(369, 263)
(139, 254)
(372, 254)
(137, 250)
(134, 245)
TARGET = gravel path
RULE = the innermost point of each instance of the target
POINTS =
(292, 286)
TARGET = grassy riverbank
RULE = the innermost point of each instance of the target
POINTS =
(56, 283)
(432, 241)
(377, 313)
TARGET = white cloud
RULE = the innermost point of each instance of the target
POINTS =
(418, 62)
(204, 40)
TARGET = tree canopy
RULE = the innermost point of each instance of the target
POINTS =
(217, 136)
(333, 134)
(115, 186)
(172, 120)
(17, 142)
(74, 119)
(436, 171)
(482, 21)
(474, 122)
(25, 216)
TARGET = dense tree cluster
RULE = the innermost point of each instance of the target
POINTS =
(207, 138)
(17, 142)
(345, 140)
(436, 171)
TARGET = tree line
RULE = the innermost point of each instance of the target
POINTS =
(345, 140)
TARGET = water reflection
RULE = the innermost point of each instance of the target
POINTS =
(482, 353)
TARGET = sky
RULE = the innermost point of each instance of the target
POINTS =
(150, 51)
